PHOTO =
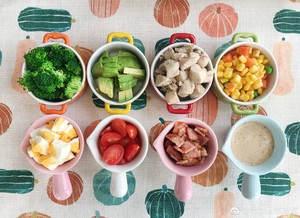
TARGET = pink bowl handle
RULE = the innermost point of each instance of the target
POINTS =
(180, 110)
(189, 36)
(183, 188)
(62, 188)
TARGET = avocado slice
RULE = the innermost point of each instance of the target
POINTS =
(135, 72)
(125, 95)
(106, 86)
(110, 70)
(98, 66)
(127, 85)
(128, 61)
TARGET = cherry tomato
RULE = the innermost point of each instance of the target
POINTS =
(113, 154)
(106, 130)
(119, 126)
(131, 151)
(101, 147)
(126, 141)
(110, 138)
(131, 131)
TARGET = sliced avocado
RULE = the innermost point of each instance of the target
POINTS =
(110, 70)
(98, 66)
(124, 78)
(125, 53)
(135, 72)
(110, 59)
(106, 86)
(128, 61)
(128, 84)
(125, 95)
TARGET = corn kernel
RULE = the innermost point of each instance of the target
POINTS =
(244, 71)
(253, 77)
(260, 74)
(265, 61)
(221, 67)
(243, 91)
(228, 64)
(253, 69)
(235, 94)
(226, 91)
(224, 80)
(221, 62)
(235, 61)
(257, 85)
(243, 81)
(246, 87)
(239, 86)
(261, 67)
(261, 56)
(244, 97)
(220, 74)
(260, 91)
(236, 79)
(240, 67)
(242, 59)
(228, 72)
(259, 60)
(255, 53)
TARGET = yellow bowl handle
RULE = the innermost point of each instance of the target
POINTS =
(117, 111)
(120, 35)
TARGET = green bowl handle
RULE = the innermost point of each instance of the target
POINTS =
(244, 35)
(236, 110)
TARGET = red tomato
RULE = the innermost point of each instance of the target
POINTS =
(113, 154)
(137, 140)
(110, 138)
(131, 131)
(119, 126)
(126, 141)
(101, 147)
(106, 130)
(131, 151)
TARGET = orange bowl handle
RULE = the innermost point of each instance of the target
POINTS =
(54, 35)
(62, 110)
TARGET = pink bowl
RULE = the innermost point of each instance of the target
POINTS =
(183, 185)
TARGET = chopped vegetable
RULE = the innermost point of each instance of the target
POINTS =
(53, 73)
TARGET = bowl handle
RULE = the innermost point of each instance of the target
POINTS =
(62, 110)
(54, 35)
(120, 35)
(118, 184)
(189, 36)
(117, 111)
(62, 188)
(244, 35)
(251, 186)
(183, 188)
(236, 110)
(180, 110)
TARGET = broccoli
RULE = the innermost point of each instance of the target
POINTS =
(73, 86)
(53, 73)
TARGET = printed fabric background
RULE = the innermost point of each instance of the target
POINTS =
(27, 192)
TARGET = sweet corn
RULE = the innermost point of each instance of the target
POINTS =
(251, 94)
(253, 77)
(228, 64)
(261, 56)
(244, 71)
(257, 85)
(244, 97)
(242, 59)
(226, 91)
(265, 61)
(253, 69)
(235, 94)
(259, 60)
(221, 67)
(236, 79)
(228, 72)
(260, 91)
(220, 74)
(224, 80)
(261, 67)
(221, 62)
(246, 87)
(260, 74)
(235, 61)
(240, 67)
(239, 86)
(255, 53)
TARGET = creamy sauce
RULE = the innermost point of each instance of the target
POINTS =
(252, 143)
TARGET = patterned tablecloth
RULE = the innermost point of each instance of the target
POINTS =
(27, 192)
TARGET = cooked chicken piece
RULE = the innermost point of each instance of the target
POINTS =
(172, 97)
(172, 68)
(179, 56)
(182, 76)
(197, 74)
(198, 91)
(186, 48)
(161, 81)
(172, 86)
(168, 53)
(186, 63)
(159, 71)
(209, 76)
(186, 89)
(203, 61)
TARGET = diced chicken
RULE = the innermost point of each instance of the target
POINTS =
(203, 61)
(168, 53)
(172, 86)
(185, 48)
(176, 139)
(193, 136)
(180, 128)
(162, 81)
(197, 74)
(194, 153)
(198, 91)
(182, 76)
(209, 76)
(179, 56)
(173, 153)
(159, 71)
(172, 97)
(189, 61)
(186, 89)
(172, 68)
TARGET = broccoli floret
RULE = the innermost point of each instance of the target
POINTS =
(73, 86)
(74, 68)
(35, 58)
(55, 54)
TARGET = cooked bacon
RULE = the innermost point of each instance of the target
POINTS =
(173, 153)
(193, 136)
(195, 153)
(203, 130)
(203, 151)
(190, 162)
(200, 133)
(176, 139)
(186, 147)
(180, 128)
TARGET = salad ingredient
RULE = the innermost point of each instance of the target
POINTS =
(119, 126)
(180, 71)
(54, 143)
(243, 76)
(111, 138)
(131, 131)
(113, 154)
(106, 86)
(131, 151)
(186, 144)
(53, 73)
